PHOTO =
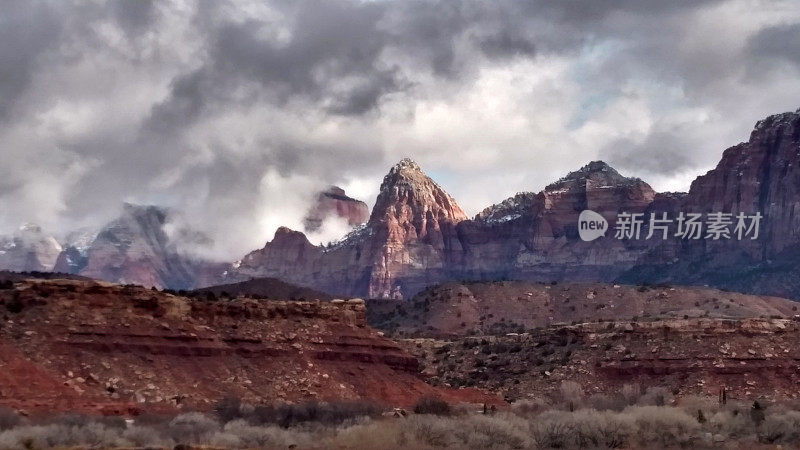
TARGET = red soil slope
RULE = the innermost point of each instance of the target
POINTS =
(77, 345)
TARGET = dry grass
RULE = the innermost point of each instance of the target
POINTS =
(596, 422)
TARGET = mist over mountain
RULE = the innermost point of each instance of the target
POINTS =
(237, 113)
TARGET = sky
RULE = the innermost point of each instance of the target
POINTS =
(235, 113)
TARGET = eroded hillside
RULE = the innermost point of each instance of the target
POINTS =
(82, 345)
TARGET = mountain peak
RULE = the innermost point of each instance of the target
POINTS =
(600, 174)
(408, 194)
(406, 165)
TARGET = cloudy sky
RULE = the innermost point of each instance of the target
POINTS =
(235, 112)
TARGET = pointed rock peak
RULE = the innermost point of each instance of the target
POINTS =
(407, 191)
(594, 167)
(406, 165)
(598, 172)
(145, 211)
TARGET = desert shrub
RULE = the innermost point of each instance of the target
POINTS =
(8, 418)
(191, 427)
(605, 402)
(662, 426)
(571, 394)
(552, 433)
(28, 437)
(656, 396)
(228, 408)
(692, 404)
(631, 393)
(496, 431)
(142, 436)
(529, 406)
(757, 414)
(731, 423)
(783, 428)
(431, 430)
(582, 429)
(432, 405)
(239, 433)
(334, 413)
(383, 435)
(59, 435)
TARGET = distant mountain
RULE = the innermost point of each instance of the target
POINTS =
(135, 249)
(417, 235)
(28, 249)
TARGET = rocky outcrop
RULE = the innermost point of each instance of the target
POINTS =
(499, 307)
(409, 240)
(749, 358)
(85, 343)
(334, 202)
(29, 249)
(535, 236)
(74, 256)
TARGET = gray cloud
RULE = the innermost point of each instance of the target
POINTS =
(224, 109)
(661, 152)
(775, 44)
(27, 29)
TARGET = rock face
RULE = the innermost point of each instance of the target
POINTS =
(499, 307)
(750, 358)
(29, 249)
(535, 236)
(335, 203)
(74, 256)
(409, 240)
(136, 249)
(83, 345)
(417, 235)
(760, 175)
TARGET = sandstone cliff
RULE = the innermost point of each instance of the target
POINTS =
(417, 235)
(409, 241)
(334, 202)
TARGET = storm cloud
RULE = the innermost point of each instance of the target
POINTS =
(235, 112)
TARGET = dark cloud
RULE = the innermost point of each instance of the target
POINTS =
(133, 15)
(223, 108)
(662, 153)
(505, 44)
(27, 29)
(185, 104)
(776, 44)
